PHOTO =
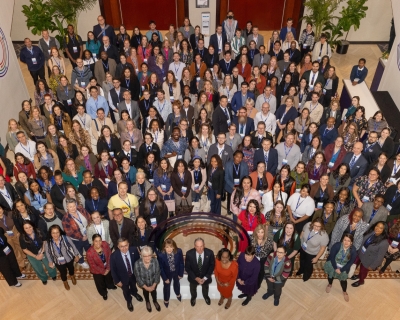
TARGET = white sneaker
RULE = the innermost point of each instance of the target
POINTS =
(23, 276)
(84, 265)
(18, 284)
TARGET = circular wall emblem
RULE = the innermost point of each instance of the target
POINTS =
(4, 54)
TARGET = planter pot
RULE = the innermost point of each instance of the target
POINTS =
(342, 47)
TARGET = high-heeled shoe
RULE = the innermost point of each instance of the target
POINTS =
(221, 301)
(179, 298)
(166, 304)
(228, 304)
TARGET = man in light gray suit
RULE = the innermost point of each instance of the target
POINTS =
(258, 38)
(131, 106)
(261, 57)
(375, 211)
(220, 148)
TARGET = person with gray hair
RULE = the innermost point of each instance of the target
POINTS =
(147, 272)
(199, 266)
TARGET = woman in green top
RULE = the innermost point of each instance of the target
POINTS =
(72, 174)
(288, 238)
(300, 175)
(328, 215)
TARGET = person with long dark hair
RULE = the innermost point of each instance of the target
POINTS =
(249, 268)
(289, 238)
(195, 149)
(328, 215)
(276, 218)
(22, 212)
(61, 253)
(373, 250)
(35, 196)
(162, 180)
(142, 233)
(251, 217)
(288, 183)
(300, 175)
(198, 171)
(316, 167)
(215, 183)
(181, 181)
(382, 166)
(153, 208)
(273, 196)
(393, 252)
(341, 256)
(321, 192)
(340, 177)
(241, 197)
(343, 203)
(300, 207)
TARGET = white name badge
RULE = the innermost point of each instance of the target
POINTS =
(151, 181)
(324, 91)
(261, 192)
(320, 205)
(389, 207)
(61, 260)
(83, 84)
(297, 190)
(142, 88)
(300, 136)
(304, 46)
(311, 181)
(41, 209)
(107, 181)
(392, 180)
(243, 207)
(164, 78)
(365, 199)
(10, 233)
(363, 249)
(145, 60)
(183, 189)
(197, 78)
(356, 79)
(274, 231)
(229, 100)
(228, 122)
(331, 164)
(394, 244)
(137, 70)
(163, 187)
(134, 147)
(304, 246)
(34, 61)
(284, 161)
(94, 55)
(171, 99)
(69, 101)
(250, 233)
(196, 186)
(209, 184)
(49, 51)
(112, 153)
(236, 182)
(339, 265)
(180, 156)
(153, 221)
(311, 88)
(7, 250)
(75, 49)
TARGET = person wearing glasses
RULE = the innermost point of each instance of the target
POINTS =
(277, 269)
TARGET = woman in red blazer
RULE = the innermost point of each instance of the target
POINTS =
(258, 183)
(98, 258)
(244, 67)
(334, 154)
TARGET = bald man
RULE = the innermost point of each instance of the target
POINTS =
(109, 48)
(102, 29)
(357, 162)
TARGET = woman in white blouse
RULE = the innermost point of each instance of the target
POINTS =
(227, 88)
(100, 227)
(271, 197)
(206, 137)
(300, 207)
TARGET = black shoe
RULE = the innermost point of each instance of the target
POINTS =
(298, 273)
(266, 296)
(276, 302)
(166, 304)
(138, 297)
(241, 296)
(357, 284)
(130, 306)
(207, 300)
(105, 297)
(148, 306)
(44, 282)
(54, 278)
(179, 298)
(157, 306)
(192, 302)
(245, 302)
(355, 277)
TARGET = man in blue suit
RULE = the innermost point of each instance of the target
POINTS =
(227, 64)
(234, 172)
(218, 40)
(288, 28)
(244, 124)
(122, 262)
(240, 97)
(267, 155)
(359, 73)
(357, 162)
(102, 29)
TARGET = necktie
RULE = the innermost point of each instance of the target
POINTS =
(352, 162)
(200, 263)
(312, 79)
(226, 113)
(241, 129)
(128, 265)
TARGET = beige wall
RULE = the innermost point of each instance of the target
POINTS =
(19, 31)
(195, 16)
(375, 26)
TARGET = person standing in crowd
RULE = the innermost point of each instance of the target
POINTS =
(199, 265)
(73, 45)
(122, 262)
(34, 58)
(98, 257)
(249, 268)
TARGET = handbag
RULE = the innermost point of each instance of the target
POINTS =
(170, 204)
(182, 208)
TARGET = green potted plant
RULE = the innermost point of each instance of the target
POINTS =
(320, 13)
(350, 16)
(39, 17)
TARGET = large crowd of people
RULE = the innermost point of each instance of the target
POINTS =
(148, 123)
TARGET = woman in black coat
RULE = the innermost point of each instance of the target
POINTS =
(23, 212)
(109, 142)
(153, 209)
(142, 233)
(392, 199)
(215, 183)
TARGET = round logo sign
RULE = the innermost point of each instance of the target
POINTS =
(4, 54)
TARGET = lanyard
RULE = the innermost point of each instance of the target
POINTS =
(196, 174)
(236, 169)
(367, 148)
(29, 148)
(94, 206)
(78, 219)
(316, 170)
(252, 222)
(37, 199)
(395, 169)
(182, 178)
(83, 120)
(326, 132)
(287, 153)
(4, 222)
(310, 237)
(326, 218)
(161, 109)
(105, 65)
(245, 198)
(62, 191)
(321, 194)
(370, 239)
(373, 214)
(396, 195)
(58, 248)
(129, 203)
(152, 208)
(276, 265)
(339, 207)
(128, 82)
(299, 204)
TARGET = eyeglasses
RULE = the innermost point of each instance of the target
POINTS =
(152, 194)
(280, 252)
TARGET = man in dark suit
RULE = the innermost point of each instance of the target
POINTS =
(122, 263)
(201, 49)
(222, 116)
(121, 227)
(244, 124)
(224, 151)
(359, 73)
(294, 53)
(267, 155)
(115, 96)
(371, 149)
(102, 29)
(131, 106)
(148, 146)
(187, 111)
(7, 194)
(258, 136)
(218, 40)
(112, 50)
(227, 64)
(313, 76)
(199, 266)
(240, 97)
(357, 162)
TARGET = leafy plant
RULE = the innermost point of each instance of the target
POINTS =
(350, 16)
(321, 13)
(39, 17)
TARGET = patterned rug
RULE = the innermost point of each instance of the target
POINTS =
(318, 273)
